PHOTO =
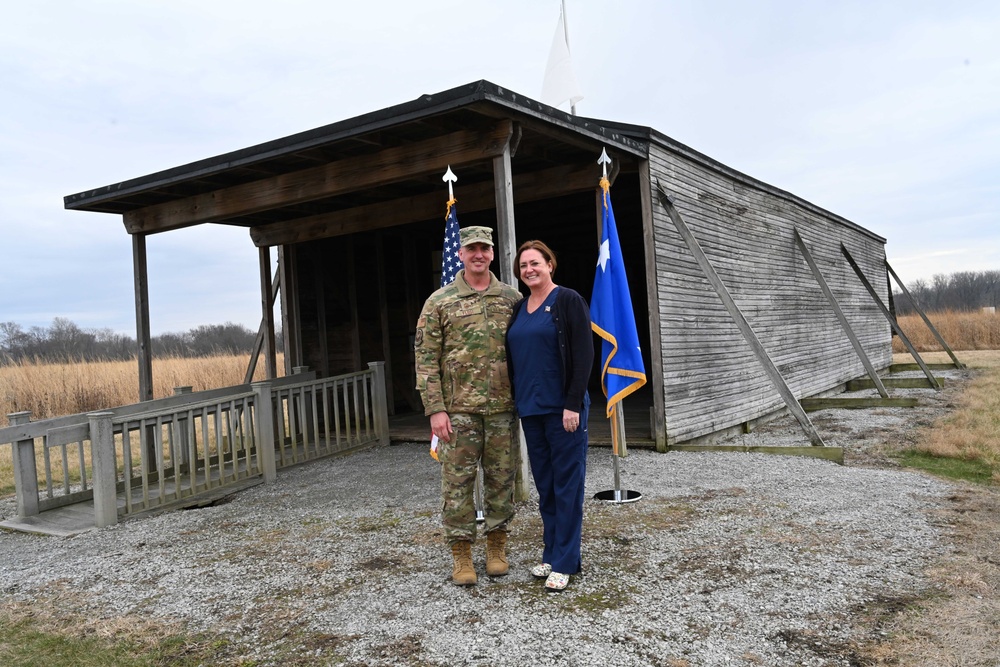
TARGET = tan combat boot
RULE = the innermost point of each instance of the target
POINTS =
(462, 573)
(496, 554)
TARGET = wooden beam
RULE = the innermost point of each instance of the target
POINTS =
(657, 422)
(506, 249)
(902, 368)
(503, 193)
(475, 197)
(888, 316)
(352, 297)
(860, 384)
(322, 333)
(387, 166)
(144, 353)
(920, 311)
(855, 403)
(383, 300)
(265, 332)
(289, 299)
(844, 324)
(740, 320)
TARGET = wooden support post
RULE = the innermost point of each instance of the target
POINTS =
(657, 425)
(380, 401)
(506, 249)
(287, 266)
(920, 311)
(384, 325)
(772, 371)
(888, 316)
(143, 354)
(264, 412)
(352, 298)
(25, 471)
(845, 325)
(265, 332)
(105, 470)
(322, 332)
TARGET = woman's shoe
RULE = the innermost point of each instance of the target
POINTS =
(556, 581)
(541, 571)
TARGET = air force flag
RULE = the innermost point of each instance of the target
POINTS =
(612, 318)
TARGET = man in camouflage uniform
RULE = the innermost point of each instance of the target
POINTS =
(462, 378)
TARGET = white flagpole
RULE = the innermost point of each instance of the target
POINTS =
(572, 103)
(619, 448)
(559, 84)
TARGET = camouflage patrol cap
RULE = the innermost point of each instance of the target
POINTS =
(470, 235)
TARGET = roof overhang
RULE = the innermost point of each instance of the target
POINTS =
(420, 132)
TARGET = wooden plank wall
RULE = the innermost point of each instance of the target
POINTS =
(712, 380)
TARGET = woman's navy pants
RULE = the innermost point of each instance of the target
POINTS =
(559, 466)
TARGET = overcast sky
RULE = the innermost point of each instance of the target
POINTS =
(885, 112)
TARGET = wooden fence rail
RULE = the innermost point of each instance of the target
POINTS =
(169, 452)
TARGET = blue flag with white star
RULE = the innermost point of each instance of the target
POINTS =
(612, 318)
(450, 263)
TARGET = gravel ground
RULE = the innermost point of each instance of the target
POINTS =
(728, 559)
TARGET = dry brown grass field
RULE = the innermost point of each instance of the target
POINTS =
(961, 330)
(52, 390)
(56, 389)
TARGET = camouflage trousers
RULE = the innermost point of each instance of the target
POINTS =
(489, 438)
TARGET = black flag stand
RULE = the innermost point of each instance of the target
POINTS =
(618, 495)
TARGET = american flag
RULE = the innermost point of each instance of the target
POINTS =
(450, 263)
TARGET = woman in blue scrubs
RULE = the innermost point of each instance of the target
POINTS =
(550, 351)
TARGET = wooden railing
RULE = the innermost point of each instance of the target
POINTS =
(328, 416)
(166, 452)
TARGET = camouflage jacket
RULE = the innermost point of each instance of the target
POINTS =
(459, 346)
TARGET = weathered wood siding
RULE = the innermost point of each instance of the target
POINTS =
(712, 380)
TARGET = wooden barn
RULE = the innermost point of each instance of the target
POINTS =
(747, 297)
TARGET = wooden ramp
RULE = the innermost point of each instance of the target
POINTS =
(78, 518)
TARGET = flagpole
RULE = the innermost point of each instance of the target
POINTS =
(618, 495)
(617, 411)
(559, 83)
(572, 104)
(477, 491)
(618, 421)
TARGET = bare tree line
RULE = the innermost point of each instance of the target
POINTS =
(961, 291)
(65, 341)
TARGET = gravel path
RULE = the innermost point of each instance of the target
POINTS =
(728, 559)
